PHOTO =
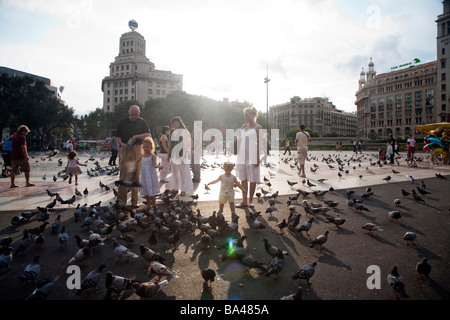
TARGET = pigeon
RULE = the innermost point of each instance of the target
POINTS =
(360, 207)
(56, 224)
(122, 252)
(411, 178)
(336, 221)
(295, 296)
(320, 240)
(147, 290)
(395, 215)
(396, 282)
(440, 176)
(160, 270)
(5, 242)
(394, 171)
(388, 178)
(91, 280)
(31, 271)
(250, 263)
(272, 250)
(366, 195)
(51, 205)
(174, 238)
(281, 225)
(24, 243)
(149, 255)
(276, 265)
(306, 226)
(292, 183)
(271, 209)
(69, 201)
(405, 193)
(254, 223)
(43, 289)
(6, 259)
(371, 227)
(152, 239)
(208, 275)
(397, 202)
(39, 241)
(416, 197)
(348, 193)
(305, 272)
(422, 191)
(423, 269)
(86, 192)
(409, 237)
(63, 237)
(118, 282)
(81, 255)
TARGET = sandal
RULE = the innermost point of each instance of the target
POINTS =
(241, 205)
(182, 194)
(251, 205)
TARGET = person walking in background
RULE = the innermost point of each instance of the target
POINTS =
(390, 151)
(301, 140)
(114, 151)
(149, 175)
(287, 146)
(130, 132)
(227, 182)
(19, 156)
(164, 149)
(178, 157)
(6, 155)
(412, 143)
(72, 167)
(248, 162)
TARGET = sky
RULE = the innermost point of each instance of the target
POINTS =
(223, 48)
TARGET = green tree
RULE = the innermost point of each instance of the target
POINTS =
(25, 100)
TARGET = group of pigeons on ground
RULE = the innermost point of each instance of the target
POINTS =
(165, 224)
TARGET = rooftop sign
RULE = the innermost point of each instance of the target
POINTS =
(406, 64)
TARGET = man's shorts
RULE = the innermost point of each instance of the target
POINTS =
(224, 199)
(302, 155)
(23, 164)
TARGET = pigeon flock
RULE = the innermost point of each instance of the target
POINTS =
(284, 244)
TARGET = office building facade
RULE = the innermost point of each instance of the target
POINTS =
(133, 77)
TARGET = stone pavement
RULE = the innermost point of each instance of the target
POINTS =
(342, 266)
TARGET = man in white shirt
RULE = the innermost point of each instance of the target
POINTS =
(301, 140)
(412, 143)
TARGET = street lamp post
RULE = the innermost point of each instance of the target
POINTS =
(266, 81)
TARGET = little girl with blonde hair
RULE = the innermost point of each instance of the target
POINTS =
(149, 176)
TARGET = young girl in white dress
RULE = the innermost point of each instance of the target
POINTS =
(72, 167)
(149, 175)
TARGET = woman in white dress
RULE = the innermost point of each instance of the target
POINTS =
(248, 168)
(179, 157)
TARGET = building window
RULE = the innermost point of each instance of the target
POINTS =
(408, 96)
(380, 100)
(398, 97)
(443, 76)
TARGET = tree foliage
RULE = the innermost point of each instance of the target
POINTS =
(25, 100)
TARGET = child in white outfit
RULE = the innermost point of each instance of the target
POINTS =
(149, 175)
(228, 180)
(72, 167)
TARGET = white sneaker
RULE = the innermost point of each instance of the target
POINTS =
(303, 175)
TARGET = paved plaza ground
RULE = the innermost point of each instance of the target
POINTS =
(343, 267)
